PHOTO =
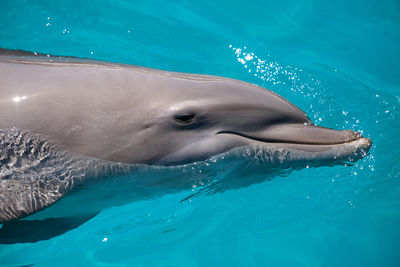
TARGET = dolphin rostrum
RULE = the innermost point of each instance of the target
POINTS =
(65, 120)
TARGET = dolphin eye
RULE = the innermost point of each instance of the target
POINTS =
(185, 119)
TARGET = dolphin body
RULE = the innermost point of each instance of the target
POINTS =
(65, 121)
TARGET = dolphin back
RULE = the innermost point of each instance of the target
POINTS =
(22, 55)
(19, 53)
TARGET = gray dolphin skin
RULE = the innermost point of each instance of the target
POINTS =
(65, 120)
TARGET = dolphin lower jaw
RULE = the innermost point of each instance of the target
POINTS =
(285, 155)
(302, 143)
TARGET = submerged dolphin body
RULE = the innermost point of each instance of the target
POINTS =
(64, 121)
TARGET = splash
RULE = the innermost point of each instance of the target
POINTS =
(295, 82)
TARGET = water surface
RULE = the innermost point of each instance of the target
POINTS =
(338, 61)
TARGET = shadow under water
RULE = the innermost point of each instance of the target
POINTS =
(30, 231)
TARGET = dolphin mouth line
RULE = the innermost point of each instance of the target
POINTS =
(274, 141)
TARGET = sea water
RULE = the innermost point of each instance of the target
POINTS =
(339, 61)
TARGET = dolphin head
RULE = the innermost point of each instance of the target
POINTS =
(216, 116)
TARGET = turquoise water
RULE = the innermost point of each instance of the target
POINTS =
(339, 61)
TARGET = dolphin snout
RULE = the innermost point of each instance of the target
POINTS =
(305, 134)
(299, 133)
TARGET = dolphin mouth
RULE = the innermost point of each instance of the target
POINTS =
(304, 136)
(282, 141)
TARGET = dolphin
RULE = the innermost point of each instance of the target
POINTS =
(65, 121)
